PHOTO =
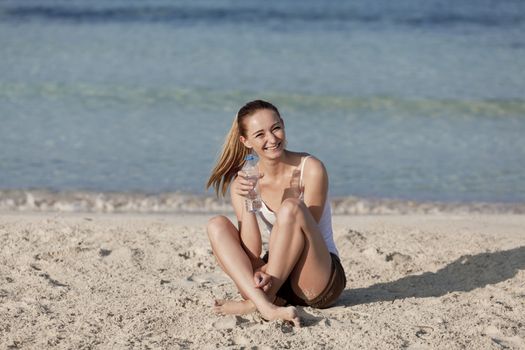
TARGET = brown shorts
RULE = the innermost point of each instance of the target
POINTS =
(334, 288)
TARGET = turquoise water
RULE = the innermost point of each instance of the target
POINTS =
(406, 100)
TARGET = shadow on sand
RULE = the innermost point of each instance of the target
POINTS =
(464, 274)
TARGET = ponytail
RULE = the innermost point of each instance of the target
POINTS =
(230, 161)
(233, 151)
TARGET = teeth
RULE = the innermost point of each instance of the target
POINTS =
(274, 147)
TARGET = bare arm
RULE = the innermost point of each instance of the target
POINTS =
(315, 182)
(247, 222)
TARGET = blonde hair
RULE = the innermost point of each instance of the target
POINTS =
(233, 151)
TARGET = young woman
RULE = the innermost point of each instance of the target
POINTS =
(302, 266)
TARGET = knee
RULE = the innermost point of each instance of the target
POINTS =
(216, 225)
(290, 209)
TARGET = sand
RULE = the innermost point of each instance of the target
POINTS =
(138, 281)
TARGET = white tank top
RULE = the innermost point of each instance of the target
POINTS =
(325, 223)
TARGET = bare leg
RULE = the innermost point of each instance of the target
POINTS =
(298, 251)
(226, 246)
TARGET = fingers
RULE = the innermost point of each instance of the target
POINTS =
(241, 174)
(262, 280)
(265, 281)
(257, 279)
(243, 184)
(245, 178)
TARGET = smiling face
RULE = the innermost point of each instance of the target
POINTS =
(264, 133)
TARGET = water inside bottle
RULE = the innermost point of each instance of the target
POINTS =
(253, 205)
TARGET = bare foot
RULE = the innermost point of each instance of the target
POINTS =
(233, 307)
(288, 313)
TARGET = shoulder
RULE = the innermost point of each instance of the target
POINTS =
(315, 183)
(314, 169)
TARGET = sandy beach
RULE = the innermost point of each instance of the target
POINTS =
(144, 281)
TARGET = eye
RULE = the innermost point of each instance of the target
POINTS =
(277, 128)
(258, 135)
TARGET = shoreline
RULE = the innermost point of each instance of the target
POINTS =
(136, 280)
(177, 202)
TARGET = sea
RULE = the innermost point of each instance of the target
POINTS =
(113, 104)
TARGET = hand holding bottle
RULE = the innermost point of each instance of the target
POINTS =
(243, 184)
(250, 175)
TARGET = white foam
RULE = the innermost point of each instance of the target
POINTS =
(176, 202)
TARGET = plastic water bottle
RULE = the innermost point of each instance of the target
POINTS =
(253, 202)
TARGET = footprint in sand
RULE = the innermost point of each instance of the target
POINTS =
(398, 258)
(310, 319)
(104, 252)
(355, 237)
(401, 262)
(209, 278)
(225, 322)
(137, 256)
(501, 340)
(373, 253)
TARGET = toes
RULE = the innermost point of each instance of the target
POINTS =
(294, 317)
(217, 306)
(218, 310)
